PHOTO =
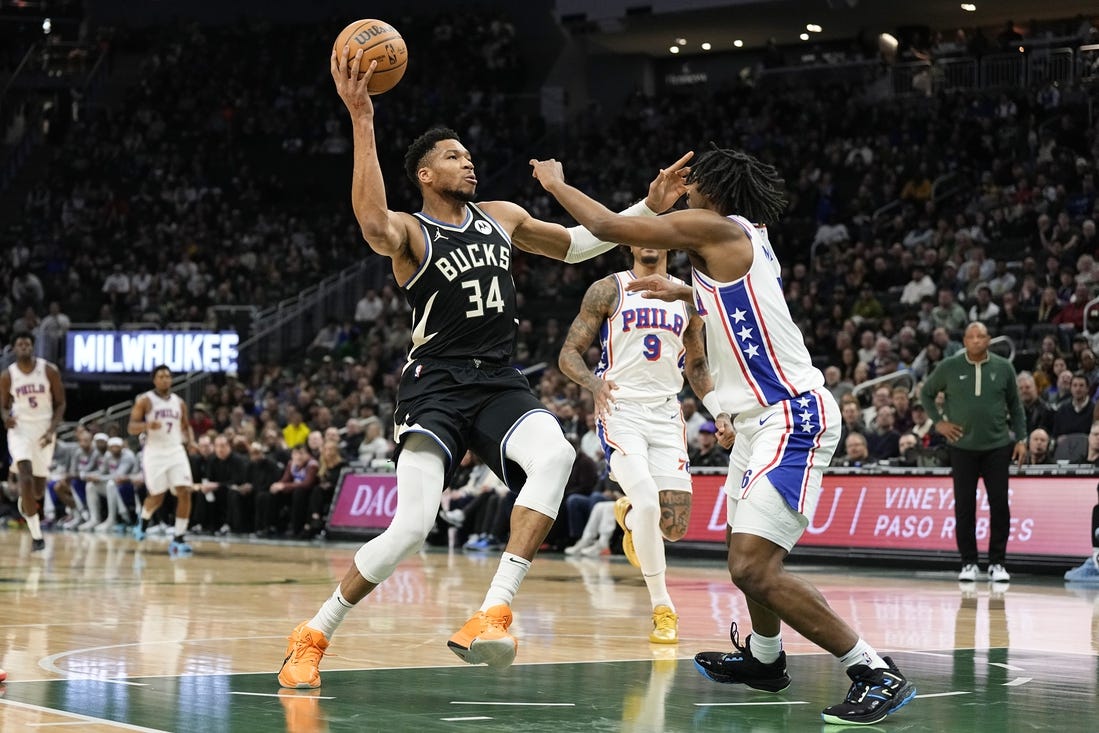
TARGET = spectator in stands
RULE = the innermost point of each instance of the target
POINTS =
(368, 308)
(983, 308)
(1038, 448)
(948, 314)
(328, 473)
(295, 432)
(374, 446)
(1091, 456)
(856, 454)
(1076, 414)
(1072, 313)
(225, 471)
(1038, 414)
(291, 493)
(201, 420)
(851, 414)
(883, 440)
(923, 427)
(833, 382)
(1060, 392)
(326, 340)
(882, 396)
(920, 286)
(707, 452)
(692, 420)
(902, 405)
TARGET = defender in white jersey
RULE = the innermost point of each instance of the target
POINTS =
(162, 417)
(646, 345)
(788, 426)
(32, 405)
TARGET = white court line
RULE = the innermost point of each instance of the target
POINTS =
(930, 654)
(52, 725)
(944, 694)
(1018, 681)
(747, 704)
(289, 695)
(516, 704)
(78, 716)
(472, 717)
(1005, 666)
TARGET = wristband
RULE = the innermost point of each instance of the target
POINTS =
(712, 404)
(584, 245)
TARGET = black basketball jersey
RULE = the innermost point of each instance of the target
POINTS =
(462, 296)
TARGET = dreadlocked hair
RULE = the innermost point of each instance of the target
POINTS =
(739, 183)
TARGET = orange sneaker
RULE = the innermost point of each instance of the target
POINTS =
(485, 639)
(302, 709)
(620, 508)
(301, 668)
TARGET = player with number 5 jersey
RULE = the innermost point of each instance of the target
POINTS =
(32, 404)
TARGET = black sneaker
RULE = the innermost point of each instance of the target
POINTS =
(741, 667)
(38, 545)
(874, 694)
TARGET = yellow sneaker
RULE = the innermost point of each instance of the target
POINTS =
(301, 668)
(665, 626)
(620, 508)
(485, 639)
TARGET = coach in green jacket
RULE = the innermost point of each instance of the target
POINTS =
(984, 424)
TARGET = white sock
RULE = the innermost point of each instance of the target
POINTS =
(658, 590)
(863, 653)
(331, 614)
(33, 525)
(181, 526)
(146, 514)
(766, 648)
(505, 584)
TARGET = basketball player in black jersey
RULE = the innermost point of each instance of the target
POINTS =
(458, 390)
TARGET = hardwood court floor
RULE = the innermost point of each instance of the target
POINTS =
(100, 634)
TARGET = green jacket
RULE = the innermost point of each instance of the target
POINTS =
(983, 398)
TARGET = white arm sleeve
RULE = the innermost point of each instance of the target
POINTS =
(585, 245)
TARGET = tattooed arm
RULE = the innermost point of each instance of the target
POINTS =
(599, 302)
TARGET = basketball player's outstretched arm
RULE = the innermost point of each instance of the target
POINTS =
(387, 232)
(576, 244)
(694, 230)
(599, 302)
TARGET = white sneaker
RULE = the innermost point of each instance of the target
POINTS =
(968, 574)
(578, 547)
(998, 574)
(596, 549)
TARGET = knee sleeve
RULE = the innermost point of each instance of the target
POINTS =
(540, 449)
(634, 478)
(421, 469)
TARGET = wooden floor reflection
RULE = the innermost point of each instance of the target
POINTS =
(103, 634)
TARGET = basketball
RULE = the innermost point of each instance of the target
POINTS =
(381, 42)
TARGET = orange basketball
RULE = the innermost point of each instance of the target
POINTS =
(381, 42)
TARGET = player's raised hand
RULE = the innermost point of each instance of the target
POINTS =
(547, 171)
(352, 82)
(659, 287)
(669, 185)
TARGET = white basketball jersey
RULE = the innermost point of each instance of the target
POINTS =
(168, 438)
(757, 354)
(32, 400)
(642, 346)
